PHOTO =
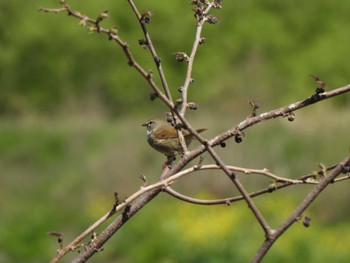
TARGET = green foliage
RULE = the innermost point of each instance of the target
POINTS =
(48, 61)
(60, 175)
(174, 232)
(59, 172)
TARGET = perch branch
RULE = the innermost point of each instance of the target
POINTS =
(194, 154)
(139, 199)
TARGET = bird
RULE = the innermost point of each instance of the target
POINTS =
(164, 138)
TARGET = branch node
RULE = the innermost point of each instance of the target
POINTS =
(238, 136)
(202, 40)
(126, 211)
(254, 106)
(272, 187)
(346, 169)
(181, 56)
(113, 31)
(212, 19)
(131, 63)
(144, 179)
(153, 96)
(217, 4)
(143, 43)
(59, 237)
(206, 143)
(146, 17)
(102, 16)
(116, 203)
(150, 74)
(306, 221)
(233, 175)
(192, 105)
(157, 60)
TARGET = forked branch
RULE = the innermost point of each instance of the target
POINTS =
(131, 205)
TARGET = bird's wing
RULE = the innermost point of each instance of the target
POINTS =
(166, 133)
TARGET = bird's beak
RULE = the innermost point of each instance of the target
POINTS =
(145, 124)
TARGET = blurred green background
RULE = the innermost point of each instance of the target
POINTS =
(70, 134)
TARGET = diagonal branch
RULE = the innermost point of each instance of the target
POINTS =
(275, 234)
(138, 200)
(263, 223)
(113, 35)
(143, 199)
(156, 58)
(148, 196)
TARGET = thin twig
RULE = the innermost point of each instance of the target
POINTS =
(153, 52)
(124, 45)
(241, 189)
(139, 199)
(192, 155)
(195, 45)
(275, 234)
(227, 200)
(189, 78)
(244, 170)
(52, 10)
(280, 183)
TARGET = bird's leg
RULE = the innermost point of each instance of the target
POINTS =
(169, 161)
(183, 154)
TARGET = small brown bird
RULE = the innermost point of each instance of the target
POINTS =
(163, 137)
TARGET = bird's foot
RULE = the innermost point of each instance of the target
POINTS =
(169, 162)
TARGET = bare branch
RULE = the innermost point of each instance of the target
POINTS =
(156, 58)
(145, 195)
(241, 189)
(112, 35)
(281, 182)
(52, 10)
(197, 41)
(275, 234)
(131, 205)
